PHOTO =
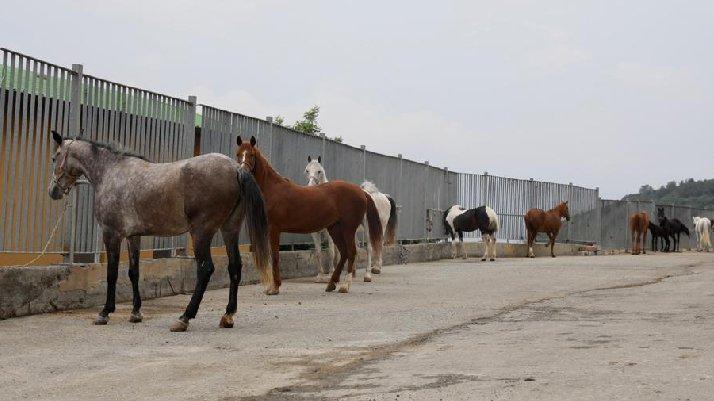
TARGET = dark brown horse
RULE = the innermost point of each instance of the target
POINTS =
(639, 222)
(337, 206)
(539, 221)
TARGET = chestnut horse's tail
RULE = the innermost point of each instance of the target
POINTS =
(251, 209)
(391, 231)
(374, 225)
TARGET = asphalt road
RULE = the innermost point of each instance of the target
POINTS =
(571, 328)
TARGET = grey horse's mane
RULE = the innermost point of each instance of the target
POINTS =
(110, 147)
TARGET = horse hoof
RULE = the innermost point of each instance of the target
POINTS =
(101, 320)
(483, 259)
(330, 287)
(552, 256)
(179, 326)
(226, 322)
(272, 291)
(344, 289)
(493, 259)
(136, 317)
(376, 270)
(367, 279)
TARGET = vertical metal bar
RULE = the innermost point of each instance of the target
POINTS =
(74, 120)
(10, 182)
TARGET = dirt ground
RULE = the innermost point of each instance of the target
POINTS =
(570, 328)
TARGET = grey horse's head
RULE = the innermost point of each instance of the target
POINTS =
(65, 168)
(314, 171)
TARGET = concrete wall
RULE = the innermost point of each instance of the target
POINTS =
(40, 289)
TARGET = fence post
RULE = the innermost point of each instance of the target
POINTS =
(484, 195)
(74, 127)
(269, 120)
(570, 205)
(598, 214)
(190, 127)
(190, 146)
(627, 221)
(426, 206)
(364, 162)
(324, 142)
(399, 193)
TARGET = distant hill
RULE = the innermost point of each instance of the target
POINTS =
(688, 193)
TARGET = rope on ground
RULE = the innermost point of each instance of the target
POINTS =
(49, 240)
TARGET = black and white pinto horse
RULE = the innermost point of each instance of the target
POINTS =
(458, 220)
(672, 228)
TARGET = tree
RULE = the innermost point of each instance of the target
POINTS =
(280, 121)
(309, 125)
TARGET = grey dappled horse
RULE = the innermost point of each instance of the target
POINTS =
(134, 197)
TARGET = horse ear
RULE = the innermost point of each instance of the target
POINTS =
(309, 158)
(239, 140)
(57, 137)
(566, 202)
(319, 159)
(252, 141)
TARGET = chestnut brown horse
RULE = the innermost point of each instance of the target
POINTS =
(338, 206)
(639, 222)
(539, 221)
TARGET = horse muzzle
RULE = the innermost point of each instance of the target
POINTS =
(55, 192)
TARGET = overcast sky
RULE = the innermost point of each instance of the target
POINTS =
(612, 94)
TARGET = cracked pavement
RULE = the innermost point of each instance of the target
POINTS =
(576, 328)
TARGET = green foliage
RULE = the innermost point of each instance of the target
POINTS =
(309, 125)
(688, 192)
(280, 120)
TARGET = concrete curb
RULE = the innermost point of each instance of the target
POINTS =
(41, 289)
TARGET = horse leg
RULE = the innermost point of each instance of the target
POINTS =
(677, 244)
(235, 267)
(134, 249)
(204, 270)
(461, 244)
(351, 250)
(275, 251)
(531, 239)
(644, 240)
(454, 250)
(493, 247)
(369, 269)
(317, 242)
(336, 234)
(633, 243)
(485, 240)
(551, 237)
(112, 244)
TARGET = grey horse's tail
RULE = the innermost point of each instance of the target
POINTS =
(251, 209)
(391, 231)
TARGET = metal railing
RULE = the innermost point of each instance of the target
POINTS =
(37, 97)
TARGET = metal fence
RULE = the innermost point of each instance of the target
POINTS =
(615, 218)
(36, 97)
(511, 198)
(421, 191)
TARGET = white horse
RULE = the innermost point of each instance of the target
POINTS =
(316, 175)
(386, 207)
(702, 225)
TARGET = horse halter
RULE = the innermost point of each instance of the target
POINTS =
(244, 163)
(63, 173)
